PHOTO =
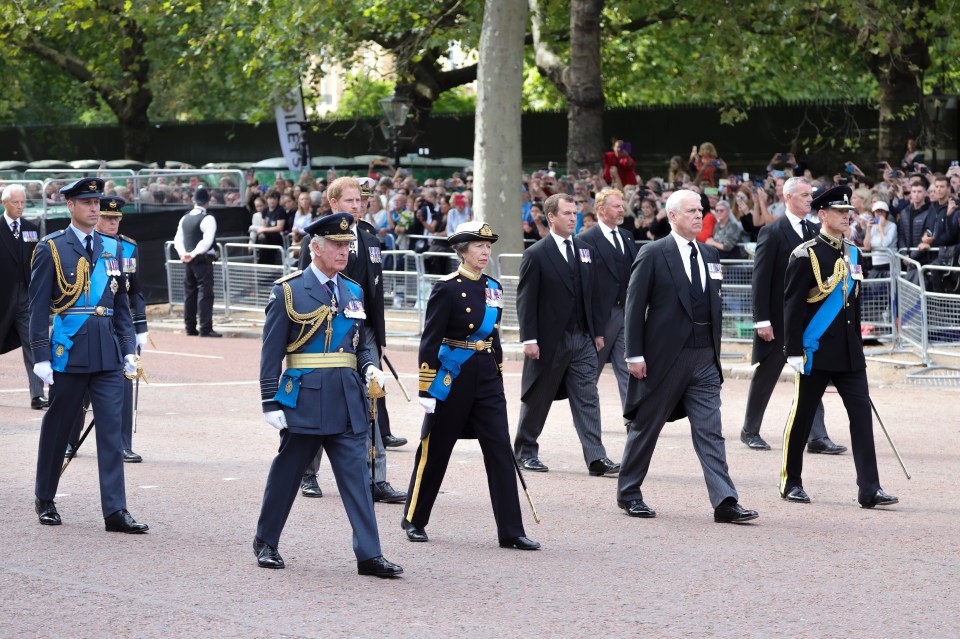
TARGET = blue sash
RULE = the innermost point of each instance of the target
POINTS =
(65, 327)
(451, 359)
(824, 317)
(289, 389)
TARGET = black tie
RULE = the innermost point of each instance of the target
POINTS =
(569, 253)
(695, 284)
(616, 241)
(333, 294)
(805, 228)
(89, 242)
(16, 229)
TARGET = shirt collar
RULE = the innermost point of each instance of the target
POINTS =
(80, 234)
(9, 220)
(681, 242)
(323, 279)
(560, 242)
(794, 220)
(467, 273)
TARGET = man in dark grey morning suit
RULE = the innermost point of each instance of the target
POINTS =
(673, 353)
(615, 251)
(558, 327)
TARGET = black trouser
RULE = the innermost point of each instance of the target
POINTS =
(198, 278)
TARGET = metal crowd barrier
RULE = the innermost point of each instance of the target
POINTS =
(401, 270)
(175, 272)
(509, 263)
(251, 270)
(737, 300)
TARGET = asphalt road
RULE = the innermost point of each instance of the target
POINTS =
(828, 569)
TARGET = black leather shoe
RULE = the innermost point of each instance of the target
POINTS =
(391, 441)
(131, 457)
(267, 556)
(47, 512)
(730, 512)
(636, 508)
(520, 543)
(825, 446)
(603, 466)
(71, 452)
(413, 533)
(533, 464)
(378, 567)
(309, 486)
(753, 441)
(796, 494)
(387, 494)
(122, 521)
(192, 332)
(880, 498)
(39, 403)
(211, 333)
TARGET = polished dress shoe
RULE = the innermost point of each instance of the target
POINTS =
(39, 403)
(636, 508)
(71, 452)
(796, 494)
(267, 556)
(309, 486)
(603, 466)
(730, 512)
(533, 465)
(47, 511)
(520, 543)
(378, 567)
(387, 494)
(392, 441)
(211, 333)
(131, 457)
(192, 332)
(825, 447)
(413, 533)
(122, 521)
(880, 498)
(753, 440)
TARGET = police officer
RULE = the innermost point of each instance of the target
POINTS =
(315, 320)
(823, 344)
(194, 240)
(77, 275)
(461, 389)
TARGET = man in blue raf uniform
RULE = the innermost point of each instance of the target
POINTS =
(77, 276)
(315, 321)
(823, 344)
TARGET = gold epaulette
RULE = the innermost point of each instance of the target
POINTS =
(427, 375)
(288, 277)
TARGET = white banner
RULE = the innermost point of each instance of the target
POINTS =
(293, 140)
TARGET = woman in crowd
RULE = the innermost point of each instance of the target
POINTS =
(749, 211)
(618, 166)
(706, 165)
(301, 218)
(727, 233)
(461, 389)
(652, 223)
(881, 234)
(676, 173)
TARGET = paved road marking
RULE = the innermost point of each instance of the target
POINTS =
(195, 384)
(151, 351)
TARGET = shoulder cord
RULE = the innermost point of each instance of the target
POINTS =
(822, 289)
(69, 293)
(313, 319)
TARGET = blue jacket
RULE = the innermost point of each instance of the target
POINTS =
(131, 269)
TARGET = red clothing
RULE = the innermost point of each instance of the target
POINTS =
(624, 165)
(709, 222)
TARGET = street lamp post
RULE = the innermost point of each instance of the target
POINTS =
(396, 108)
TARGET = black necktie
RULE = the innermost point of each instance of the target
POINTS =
(616, 241)
(333, 294)
(805, 229)
(89, 242)
(695, 284)
(569, 253)
(16, 229)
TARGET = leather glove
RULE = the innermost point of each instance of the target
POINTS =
(429, 404)
(130, 365)
(44, 371)
(142, 340)
(276, 419)
(796, 363)
(373, 372)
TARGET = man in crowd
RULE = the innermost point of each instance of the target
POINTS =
(614, 248)
(77, 275)
(774, 245)
(673, 353)
(18, 237)
(913, 224)
(823, 345)
(194, 240)
(558, 326)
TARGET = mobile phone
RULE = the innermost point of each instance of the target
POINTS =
(896, 173)
(955, 163)
(875, 220)
(783, 157)
(779, 174)
(745, 177)
(848, 167)
(924, 170)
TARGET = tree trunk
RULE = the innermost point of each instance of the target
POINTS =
(585, 99)
(900, 83)
(496, 150)
(136, 134)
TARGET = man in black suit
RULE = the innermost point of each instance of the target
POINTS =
(363, 267)
(558, 328)
(774, 245)
(615, 249)
(18, 237)
(673, 353)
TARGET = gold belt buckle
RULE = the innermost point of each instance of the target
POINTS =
(101, 311)
(480, 345)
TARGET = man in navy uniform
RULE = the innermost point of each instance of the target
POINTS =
(823, 344)
(315, 321)
(77, 275)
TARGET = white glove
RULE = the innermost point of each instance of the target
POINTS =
(429, 404)
(796, 363)
(276, 419)
(44, 371)
(373, 372)
(142, 340)
(130, 365)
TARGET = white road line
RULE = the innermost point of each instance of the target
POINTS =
(194, 384)
(151, 351)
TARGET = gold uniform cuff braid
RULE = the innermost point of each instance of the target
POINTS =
(427, 375)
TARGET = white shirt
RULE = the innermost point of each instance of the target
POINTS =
(798, 229)
(561, 244)
(82, 236)
(209, 227)
(609, 233)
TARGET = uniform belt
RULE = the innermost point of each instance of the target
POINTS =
(102, 311)
(481, 345)
(322, 360)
